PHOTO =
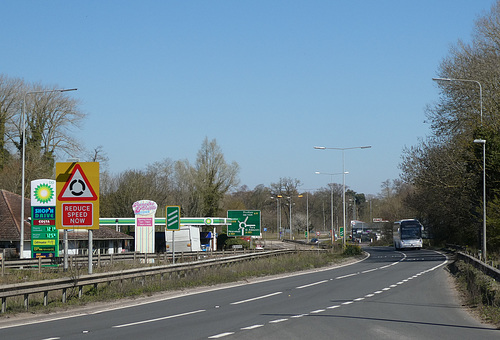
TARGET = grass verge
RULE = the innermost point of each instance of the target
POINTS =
(479, 292)
(147, 286)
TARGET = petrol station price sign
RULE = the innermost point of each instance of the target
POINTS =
(44, 235)
(77, 195)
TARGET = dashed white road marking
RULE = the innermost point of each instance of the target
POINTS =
(348, 275)
(256, 298)
(221, 335)
(317, 311)
(160, 319)
(251, 327)
(278, 320)
(312, 284)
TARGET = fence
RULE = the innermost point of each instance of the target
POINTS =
(485, 268)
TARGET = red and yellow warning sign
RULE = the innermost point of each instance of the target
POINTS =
(77, 187)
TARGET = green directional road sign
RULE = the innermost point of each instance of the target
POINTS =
(173, 217)
(247, 224)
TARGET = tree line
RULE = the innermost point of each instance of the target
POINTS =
(209, 187)
(445, 169)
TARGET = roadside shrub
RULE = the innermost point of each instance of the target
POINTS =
(352, 250)
(235, 241)
(479, 289)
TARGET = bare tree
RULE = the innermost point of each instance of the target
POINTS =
(10, 98)
(213, 177)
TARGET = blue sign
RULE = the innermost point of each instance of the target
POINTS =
(44, 213)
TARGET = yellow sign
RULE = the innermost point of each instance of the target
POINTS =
(77, 189)
(44, 242)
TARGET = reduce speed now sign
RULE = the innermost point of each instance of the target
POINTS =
(77, 187)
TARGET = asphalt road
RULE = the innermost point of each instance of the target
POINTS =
(389, 295)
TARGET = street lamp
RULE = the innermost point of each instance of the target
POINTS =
(291, 202)
(21, 246)
(480, 141)
(343, 176)
(331, 198)
(471, 81)
(278, 215)
(483, 141)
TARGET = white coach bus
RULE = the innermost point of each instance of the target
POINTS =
(407, 234)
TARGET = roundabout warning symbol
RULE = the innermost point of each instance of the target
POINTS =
(77, 187)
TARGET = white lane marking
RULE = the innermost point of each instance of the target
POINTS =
(378, 292)
(333, 307)
(278, 320)
(386, 289)
(221, 335)
(370, 270)
(347, 302)
(298, 316)
(317, 311)
(312, 284)
(369, 295)
(52, 338)
(251, 327)
(359, 299)
(256, 298)
(348, 275)
(159, 319)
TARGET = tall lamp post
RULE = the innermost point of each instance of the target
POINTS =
(343, 177)
(21, 246)
(331, 196)
(470, 81)
(483, 141)
(291, 202)
(278, 215)
(480, 141)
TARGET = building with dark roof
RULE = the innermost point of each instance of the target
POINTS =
(105, 240)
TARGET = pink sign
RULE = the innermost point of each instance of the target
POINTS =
(144, 221)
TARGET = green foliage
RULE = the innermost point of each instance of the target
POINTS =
(352, 250)
(479, 290)
(446, 169)
(230, 242)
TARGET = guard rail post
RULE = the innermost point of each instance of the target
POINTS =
(3, 262)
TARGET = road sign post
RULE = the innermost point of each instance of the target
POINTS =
(173, 223)
(77, 186)
(173, 217)
(77, 195)
(247, 223)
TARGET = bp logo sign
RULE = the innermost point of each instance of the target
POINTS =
(43, 192)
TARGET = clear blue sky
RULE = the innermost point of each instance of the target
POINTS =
(267, 79)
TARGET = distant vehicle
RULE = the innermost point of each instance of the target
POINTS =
(185, 239)
(407, 234)
(314, 240)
